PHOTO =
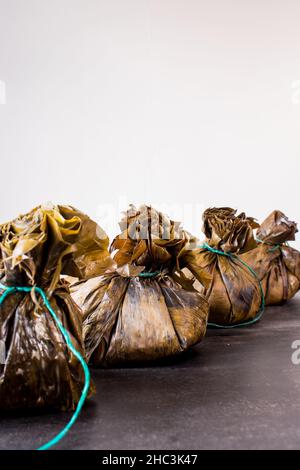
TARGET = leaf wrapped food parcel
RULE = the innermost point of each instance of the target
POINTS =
(276, 263)
(37, 369)
(231, 287)
(146, 309)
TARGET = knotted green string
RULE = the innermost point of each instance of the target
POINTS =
(262, 305)
(65, 334)
(148, 274)
(276, 246)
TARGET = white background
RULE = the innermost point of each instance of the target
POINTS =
(182, 103)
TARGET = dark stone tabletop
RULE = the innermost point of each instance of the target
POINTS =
(238, 389)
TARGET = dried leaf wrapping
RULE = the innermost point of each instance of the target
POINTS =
(226, 231)
(90, 256)
(149, 239)
(38, 369)
(276, 263)
(130, 318)
(233, 292)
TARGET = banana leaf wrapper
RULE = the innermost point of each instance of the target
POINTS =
(129, 318)
(232, 291)
(37, 369)
(276, 263)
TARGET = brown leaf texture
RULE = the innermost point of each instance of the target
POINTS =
(150, 239)
(276, 263)
(35, 249)
(232, 291)
(226, 231)
(129, 318)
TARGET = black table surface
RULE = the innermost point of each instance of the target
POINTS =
(238, 389)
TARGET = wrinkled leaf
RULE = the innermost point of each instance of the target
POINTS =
(277, 264)
(129, 318)
(39, 370)
(232, 291)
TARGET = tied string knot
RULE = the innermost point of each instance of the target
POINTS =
(176, 275)
(149, 275)
(230, 255)
(275, 246)
(84, 393)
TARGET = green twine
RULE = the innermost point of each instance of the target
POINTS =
(65, 334)
(148, 274)
(262, 305)
(275, 246)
